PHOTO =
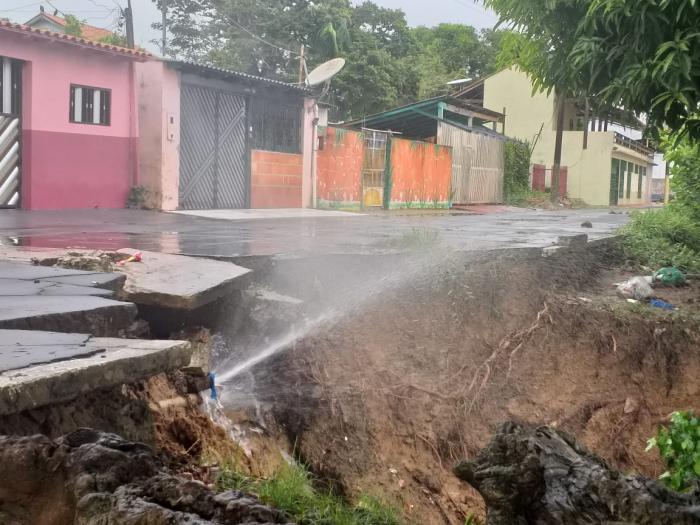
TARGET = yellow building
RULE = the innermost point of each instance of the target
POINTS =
(612, 169)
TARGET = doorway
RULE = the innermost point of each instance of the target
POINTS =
(10, 132)
(373, 166)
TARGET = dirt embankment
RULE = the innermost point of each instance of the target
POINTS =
(388, 399)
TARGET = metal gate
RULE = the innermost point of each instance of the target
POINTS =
(213, 149)
(373, 167)
(10, 103)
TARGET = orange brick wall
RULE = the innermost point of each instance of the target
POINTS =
(339, 168)
(421, 174)
(275, 180)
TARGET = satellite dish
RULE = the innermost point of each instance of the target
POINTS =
(325, 72)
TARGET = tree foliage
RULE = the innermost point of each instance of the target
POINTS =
(516, 170)
(542, 37)
(387, 62)
(644, 55)
(639, 55)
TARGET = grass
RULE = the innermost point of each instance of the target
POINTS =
(666, 237)
(292, 490)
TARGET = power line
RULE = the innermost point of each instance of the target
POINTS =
(20, 7)
(279, 48)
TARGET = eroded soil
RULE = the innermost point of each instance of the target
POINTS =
(387, 400)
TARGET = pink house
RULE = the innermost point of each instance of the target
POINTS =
(68, 120)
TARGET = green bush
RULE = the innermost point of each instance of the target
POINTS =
(516, 171)
(292, 490)
(666, 237)
(679, 446)
(684, 157)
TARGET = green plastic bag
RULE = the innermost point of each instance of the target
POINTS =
(670, 276)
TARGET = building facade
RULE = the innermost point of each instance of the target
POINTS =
(68, 129)
(217, 139)
(604, 164)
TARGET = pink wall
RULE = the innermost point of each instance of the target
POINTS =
(68, 165)
(158, 93)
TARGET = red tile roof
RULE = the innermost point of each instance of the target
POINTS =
(74, 40)
(87, 31)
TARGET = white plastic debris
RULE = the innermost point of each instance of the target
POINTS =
(635, 288)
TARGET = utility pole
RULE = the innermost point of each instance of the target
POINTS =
(129, 15)
(301, 64)
(556, 168)
(164, 23)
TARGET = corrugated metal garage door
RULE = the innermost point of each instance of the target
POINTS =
(213, 149)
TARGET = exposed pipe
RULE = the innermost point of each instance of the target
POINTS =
(314, 150)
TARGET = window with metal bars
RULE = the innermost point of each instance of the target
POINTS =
(90, 105)
(276, 126)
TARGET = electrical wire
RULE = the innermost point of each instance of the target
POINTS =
(19, 8)
(246, 30)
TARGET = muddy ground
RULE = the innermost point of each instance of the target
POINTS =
(389, 397)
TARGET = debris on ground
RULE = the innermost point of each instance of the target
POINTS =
(637, 288)
(586, 224)
(136, 257)
(92, 261)
(659, 303)
(542, 475)
(670, 276)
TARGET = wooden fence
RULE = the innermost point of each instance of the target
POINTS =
(477, 165)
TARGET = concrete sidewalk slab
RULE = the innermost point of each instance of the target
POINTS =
(105, 363)
(32, 299)
(21, 349)
(14, 287)
(179, 282)
(81, 313)
(280, 213)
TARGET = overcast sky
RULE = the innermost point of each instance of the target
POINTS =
(104, 13)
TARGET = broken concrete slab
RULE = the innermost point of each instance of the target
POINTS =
(111, 362)
(61, 300)
(20, 348)
(14, 287)
(84, 313)
(106, 281)
(31, 272)
(179, 282)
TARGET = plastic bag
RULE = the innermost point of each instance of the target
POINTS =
(670, 276)
(636, 288)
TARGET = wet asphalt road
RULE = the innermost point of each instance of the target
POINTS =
(182, 234)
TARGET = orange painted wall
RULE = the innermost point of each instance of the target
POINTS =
(339, 168)
(421, 174)
(275, 180)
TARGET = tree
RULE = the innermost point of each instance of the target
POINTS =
(643, 55)
(454, 51)
(387, 63)
(543, 37)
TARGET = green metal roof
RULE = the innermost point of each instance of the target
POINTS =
(420, 119)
